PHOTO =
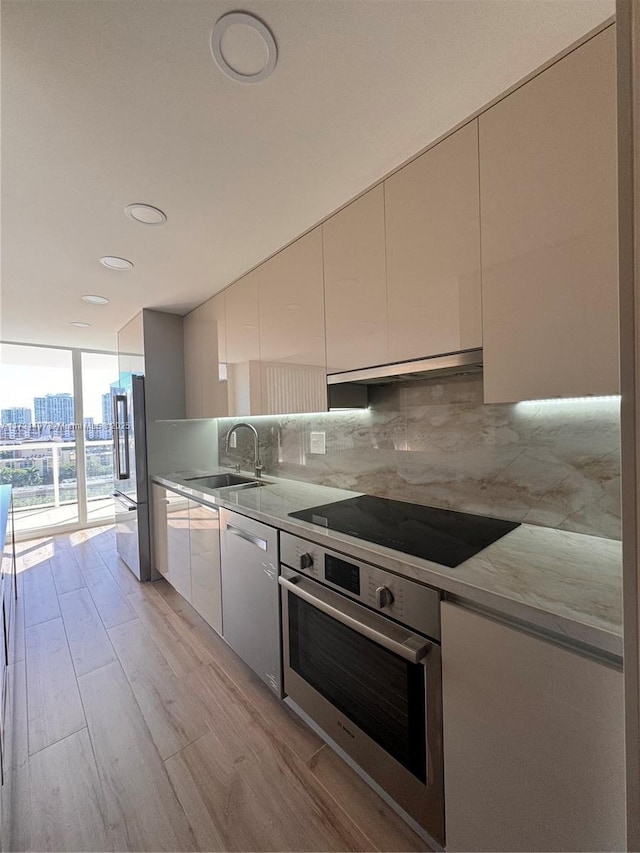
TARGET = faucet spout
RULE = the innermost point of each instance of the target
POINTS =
(256, 445)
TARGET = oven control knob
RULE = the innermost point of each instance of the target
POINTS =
(306, 561)
(384, 596)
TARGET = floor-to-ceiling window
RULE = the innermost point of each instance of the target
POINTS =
(55, 435)
(99, 384)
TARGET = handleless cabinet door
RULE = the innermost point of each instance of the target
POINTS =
(292, 344)
(549, 232)
(204, 537)
(213, 336)
(433, 250)
(533, 741)
(131, 346)
(193, 364)
(355, 282)
(160, 530)
(178, 548)
(243, 346)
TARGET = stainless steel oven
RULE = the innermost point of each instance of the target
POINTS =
(362, 658)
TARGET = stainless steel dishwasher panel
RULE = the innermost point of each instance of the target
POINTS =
(250, 595)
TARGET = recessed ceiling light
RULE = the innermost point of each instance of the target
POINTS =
(146, 214)
(80, 325)
(114, 263)
(243, 47)
(96, 300)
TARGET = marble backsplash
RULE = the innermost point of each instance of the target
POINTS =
(553, 463)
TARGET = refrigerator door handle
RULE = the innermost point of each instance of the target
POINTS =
(121, 425)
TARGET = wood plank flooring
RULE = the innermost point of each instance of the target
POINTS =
(135, 727)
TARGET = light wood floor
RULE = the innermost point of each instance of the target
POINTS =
(134, 727)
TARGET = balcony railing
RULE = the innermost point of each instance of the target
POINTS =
(44, 473)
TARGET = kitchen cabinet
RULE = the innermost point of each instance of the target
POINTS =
(204, 550)
(178, 557)
(205, 360)
(355, 284)
(250, 594)
(432, 211)
(533, 741)
(193, 364)
(243, 346)
(549, 231)
(186, 539)
(292, 339)
(131, 346)
(213, 349)
(160, 528)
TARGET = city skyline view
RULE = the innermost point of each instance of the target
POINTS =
(27, 373)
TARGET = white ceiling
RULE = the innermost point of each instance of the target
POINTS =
(107, 102)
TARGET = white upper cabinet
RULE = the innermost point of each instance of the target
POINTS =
(433, 250)
(193, 367)
(243, 346)
(205, 360)
(292, 341)
(213, 335)
(355, 283)
(131, 347)
(549, 232)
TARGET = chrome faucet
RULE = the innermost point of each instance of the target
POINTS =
(256, 445)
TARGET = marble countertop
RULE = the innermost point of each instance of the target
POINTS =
(565, 584)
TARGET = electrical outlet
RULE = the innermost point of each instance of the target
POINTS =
(233, 440)
(318, 442)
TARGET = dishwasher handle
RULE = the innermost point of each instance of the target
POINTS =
(412, 647)
(248, 537)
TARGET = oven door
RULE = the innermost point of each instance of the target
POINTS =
(373, 687)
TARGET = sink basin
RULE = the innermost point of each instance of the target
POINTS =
(224, 481)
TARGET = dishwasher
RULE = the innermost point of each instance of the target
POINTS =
(250, 594)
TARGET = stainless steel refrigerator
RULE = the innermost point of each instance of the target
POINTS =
(131, 494)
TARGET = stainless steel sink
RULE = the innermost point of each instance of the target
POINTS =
(224, 481)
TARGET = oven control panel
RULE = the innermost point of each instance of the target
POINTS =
(415, 605)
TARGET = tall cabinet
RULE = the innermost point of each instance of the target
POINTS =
(292, 343)
(205, 360)
(244, 382)
(432, 209)
(355, 284)
(549, 231)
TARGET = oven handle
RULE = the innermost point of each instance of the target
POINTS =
(414, 653)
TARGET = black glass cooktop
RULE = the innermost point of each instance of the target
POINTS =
(440, 535)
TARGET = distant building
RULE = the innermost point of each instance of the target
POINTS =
(40, 409)
(107, 406)
(16, 415)
(54, 409)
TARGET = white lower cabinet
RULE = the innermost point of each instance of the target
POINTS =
(204, 533)
(178, 557)
(170, 536)
(186, 546)
(533, 741)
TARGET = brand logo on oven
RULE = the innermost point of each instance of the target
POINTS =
(347, 731)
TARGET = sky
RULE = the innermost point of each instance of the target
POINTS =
(49, 372)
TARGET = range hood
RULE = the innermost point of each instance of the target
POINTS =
(449, 364)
